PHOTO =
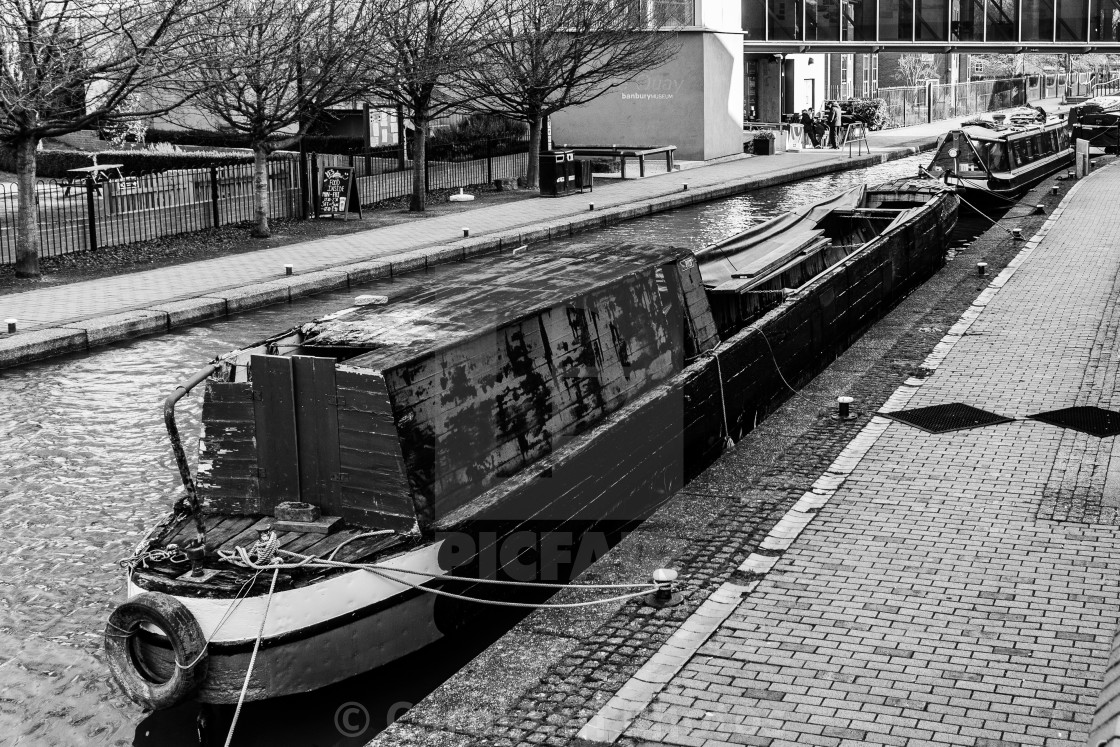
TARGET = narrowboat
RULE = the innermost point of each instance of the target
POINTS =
(992, 162)
(360, 474)
(1098, 121)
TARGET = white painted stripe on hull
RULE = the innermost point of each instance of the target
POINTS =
(296, 609)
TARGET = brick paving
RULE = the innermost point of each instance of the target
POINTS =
(940, 597)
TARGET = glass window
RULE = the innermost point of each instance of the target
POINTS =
(1002, 22)
(1073, 20)
(754, 20)
(1104, 20)
(1018, 157)
(997, 157)
(858, 21)
(785, 19)
(822, 20)
(896, 20)
(1038, 20)
(966, 20)
(932, 20)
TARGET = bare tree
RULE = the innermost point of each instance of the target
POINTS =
(548, 55)
(67, 65)
(426, 46)
(273, 67)
(913, 68)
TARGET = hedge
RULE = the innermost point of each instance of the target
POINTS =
(873, 112)
(343, 145)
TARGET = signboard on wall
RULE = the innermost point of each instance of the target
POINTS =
(382, 127)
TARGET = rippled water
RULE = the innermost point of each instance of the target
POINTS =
(85, 470)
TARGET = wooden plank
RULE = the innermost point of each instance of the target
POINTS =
(275, 417)
(317, 426)
(227, 460)
(374, 490)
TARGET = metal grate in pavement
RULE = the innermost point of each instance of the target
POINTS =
(954, 416)
(1095, 421)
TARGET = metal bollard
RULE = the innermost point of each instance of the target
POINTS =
(1017, 234)
(591, 206)
(981, 268)
(11, 326)
(287, 269)
(666, 594)
(1039, 209)
(1054, 189)
(466, 232)
(686, 186)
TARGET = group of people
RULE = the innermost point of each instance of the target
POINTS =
(817, 124)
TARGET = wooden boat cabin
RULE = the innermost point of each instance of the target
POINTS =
(395, 414)
(984, 158)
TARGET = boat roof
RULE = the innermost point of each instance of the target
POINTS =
(1103, 103)
(450, 303)
(762, 247)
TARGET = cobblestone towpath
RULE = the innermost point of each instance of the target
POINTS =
(895, 586)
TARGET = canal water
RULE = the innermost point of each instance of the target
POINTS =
(85, 469)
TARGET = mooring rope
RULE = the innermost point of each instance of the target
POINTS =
(728, 442)
(387, 572)
(252, 659)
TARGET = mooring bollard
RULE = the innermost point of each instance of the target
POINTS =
(11, 326)
(1054, 189)
(844, 407)
(1069, 175)
(1017, 234)
(1040, 209)
(287, 269)
(666, 594)
(981, 268)
(591, 206)
(686, 186)
(466, 232)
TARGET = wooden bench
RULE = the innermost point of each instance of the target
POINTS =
(623, 152)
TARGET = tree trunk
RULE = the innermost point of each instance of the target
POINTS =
(533, 165)
(418, 203)
(27, 212)
(261, 229)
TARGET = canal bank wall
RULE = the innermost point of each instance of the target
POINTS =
(545, 680)
(669, 191)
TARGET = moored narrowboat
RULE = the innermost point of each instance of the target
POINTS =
(993, 162)
(345, 464)
(1097, 120)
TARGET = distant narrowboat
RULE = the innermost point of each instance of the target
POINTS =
(993, 162)
(1098, 121)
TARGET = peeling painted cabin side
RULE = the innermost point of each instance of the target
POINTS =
(404, 413)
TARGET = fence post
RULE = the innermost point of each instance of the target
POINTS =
(489, 163)
(427, 174)
(929, 102)
(304, 183)
(214, 196)
(314, 184)
(91, 212)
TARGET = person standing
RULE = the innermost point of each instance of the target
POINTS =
(809, 126)
(834, 125)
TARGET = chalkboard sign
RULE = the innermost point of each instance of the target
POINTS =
(338, 193)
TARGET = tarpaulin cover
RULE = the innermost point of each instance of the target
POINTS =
(768, 244)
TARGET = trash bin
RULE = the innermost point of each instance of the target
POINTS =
(556, 172)
(583, 174)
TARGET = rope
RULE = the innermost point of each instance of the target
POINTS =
(252, 659)
(778, 368)
(237, 600)
(976, 209)
(386, 571)
(728, 443)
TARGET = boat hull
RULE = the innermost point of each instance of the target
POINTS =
(619, 471)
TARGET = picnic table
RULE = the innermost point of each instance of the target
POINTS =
(623, 152)
(101, 172)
